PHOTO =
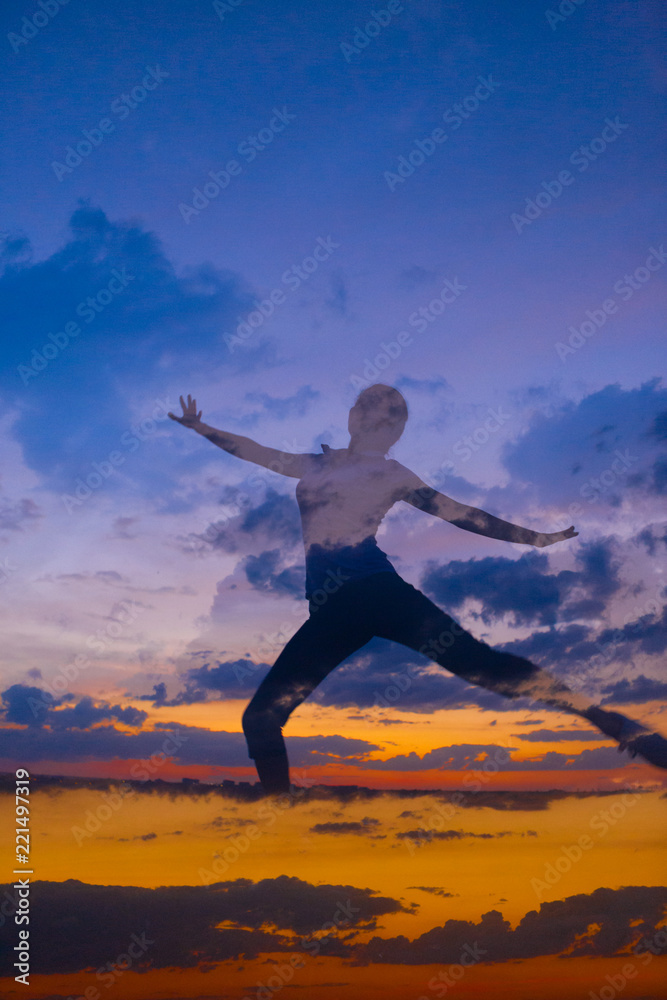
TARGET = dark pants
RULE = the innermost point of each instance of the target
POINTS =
(381, 605)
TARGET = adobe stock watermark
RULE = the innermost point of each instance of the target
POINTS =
(111, 802)
(249, 149)
(418, 320)
(242, 499)
(595, 487)
(447, 979)
(7, 567)
(224, 7)
(403, 679)
(267, 814)
(633, 621)
(362, 37)
(312, 945)
(273, 643)
(625, 288)
(464, 448)
(143, 770)
(565, 9)
(293, 278)
(646, 950)
(31, 26)
(88, 310)
(471, 443)
(121, 107)
(454, 116)
(109, 973)
(571, 854)
(442, 814)
(129, 441)
(125, 615)
(582, 157)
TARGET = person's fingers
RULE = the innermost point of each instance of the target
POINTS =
(182, 401)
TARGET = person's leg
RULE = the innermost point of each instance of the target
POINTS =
(413, 620)
(332, 633)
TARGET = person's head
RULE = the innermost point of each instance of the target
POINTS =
(377, 419)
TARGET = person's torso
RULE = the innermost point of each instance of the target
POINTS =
(343, 499)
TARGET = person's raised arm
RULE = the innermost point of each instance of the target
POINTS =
(284, 462)
(472, 519)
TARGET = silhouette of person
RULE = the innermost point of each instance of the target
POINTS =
(355, 593)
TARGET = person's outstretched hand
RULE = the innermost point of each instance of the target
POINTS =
(555, 536)
(190, 417)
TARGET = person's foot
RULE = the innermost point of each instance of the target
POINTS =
(273, 773)
(630, 735)
(651, 746)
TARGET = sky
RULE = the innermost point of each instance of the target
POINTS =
(271, 206)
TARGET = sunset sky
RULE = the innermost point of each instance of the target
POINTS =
(269, 206)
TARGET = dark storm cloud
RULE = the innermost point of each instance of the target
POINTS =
(363, 680)
(565, 455)
(647, 634)
(524, 587)
(382, 673)
(266, 572)
(187, 744)
(17, 515)
(33, 707)
(137, 336)
(275, 518)
(390, 675)
(194, 746)
(420, 834)
(86, 713)
(607, 922)
(636, 691)
(434, 890)
(190, 695)
(26, 705)
(563, 646)
(650, 539)
(559, 735)
(230, 678)
(464, 756)
(367, 827)
(83, 926)
(577, 648)
(521, 586)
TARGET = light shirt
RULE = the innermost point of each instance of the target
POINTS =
(343, 498)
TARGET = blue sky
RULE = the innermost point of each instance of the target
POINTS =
(168, 295)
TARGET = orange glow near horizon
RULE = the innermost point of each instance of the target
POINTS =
(543, 978)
